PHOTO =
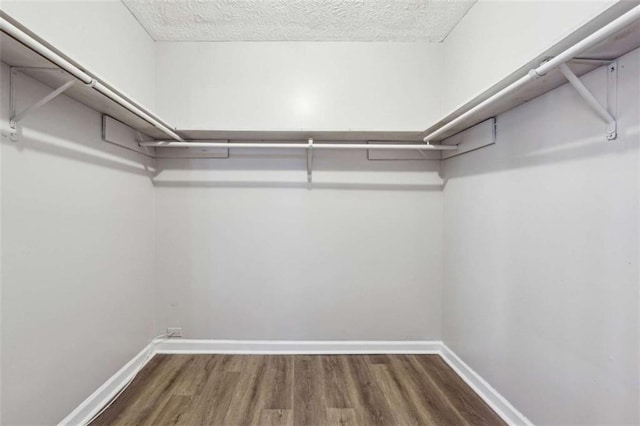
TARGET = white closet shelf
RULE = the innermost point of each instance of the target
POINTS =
(20, 55)
(609, 49)
(302, 135)
(29, 62)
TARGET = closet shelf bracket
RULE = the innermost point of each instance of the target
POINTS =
(15, 117)
(309, 159)
(606, 113)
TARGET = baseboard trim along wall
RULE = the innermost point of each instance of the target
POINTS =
(495, 400)
(90, 406)
(98, 399)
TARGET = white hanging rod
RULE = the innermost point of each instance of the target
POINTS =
(588, 42)
(204, 144)
(87, 79)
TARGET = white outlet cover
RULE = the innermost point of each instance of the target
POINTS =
(174, 331)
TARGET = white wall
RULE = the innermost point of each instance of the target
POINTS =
(302, 85)
(3, 95)
(102, 35)
(541, 282)
(247, 251)
(77, 258)
(495, 38)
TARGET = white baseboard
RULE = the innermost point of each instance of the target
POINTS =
(497, 402)
(98, 399)
(293, 347)
(90, 406)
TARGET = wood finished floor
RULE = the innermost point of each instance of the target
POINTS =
(298, 390)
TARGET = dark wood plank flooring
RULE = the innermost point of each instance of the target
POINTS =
(298, 390)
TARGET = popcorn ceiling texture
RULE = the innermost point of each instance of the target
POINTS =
(298, 20)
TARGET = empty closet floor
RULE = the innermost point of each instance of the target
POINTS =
(298, 390)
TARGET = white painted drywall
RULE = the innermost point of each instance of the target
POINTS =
(245, 250)
(77, 258)
(99, 34)
(541, 257)
(495, 38)
(304, 85)
(3, 95)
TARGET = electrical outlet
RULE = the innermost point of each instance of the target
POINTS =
(174, 331)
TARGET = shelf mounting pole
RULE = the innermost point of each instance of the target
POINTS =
(593, 103)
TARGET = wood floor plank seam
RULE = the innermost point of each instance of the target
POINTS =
(286, 390)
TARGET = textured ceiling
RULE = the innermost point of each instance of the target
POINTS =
(298, 20)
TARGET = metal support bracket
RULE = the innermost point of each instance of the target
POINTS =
(309, 159)
(607, 114)
(15, 117)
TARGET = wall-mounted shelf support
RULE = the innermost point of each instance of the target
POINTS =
(309, 159)
(591, 61)
(476, 137)
(592, 102)
(15, 117)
